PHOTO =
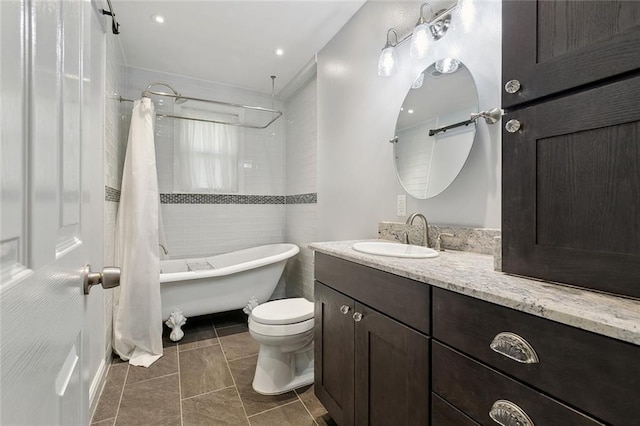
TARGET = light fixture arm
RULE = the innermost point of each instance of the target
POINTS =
(395, 33)
(421, 19)
(430, 22)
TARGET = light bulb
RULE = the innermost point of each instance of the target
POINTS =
(447, 65)
(420, 41)
(464, 15)
(418, 83)
(387, 61)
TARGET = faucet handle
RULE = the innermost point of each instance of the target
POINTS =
(439, 246)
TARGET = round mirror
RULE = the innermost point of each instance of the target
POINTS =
(434, 133)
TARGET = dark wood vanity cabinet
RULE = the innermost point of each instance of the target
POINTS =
(370, 369)
(483, 343)
(571, 172)
(375, 363)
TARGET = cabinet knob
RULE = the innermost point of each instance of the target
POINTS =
(344, 309)
(506, 413)
(357, 316)
(514, 347)
(512, 86)
(513, 126)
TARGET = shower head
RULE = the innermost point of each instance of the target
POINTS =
(178, 99)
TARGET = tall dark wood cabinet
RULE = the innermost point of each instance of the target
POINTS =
(571, 143)
(370, 368)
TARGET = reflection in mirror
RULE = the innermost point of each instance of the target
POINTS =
(440, 96)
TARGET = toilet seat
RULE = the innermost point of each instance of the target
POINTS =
(283, 317)
(283, 311)
(282, 329)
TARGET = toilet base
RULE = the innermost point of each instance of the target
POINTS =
(278, 372)
(297, 382)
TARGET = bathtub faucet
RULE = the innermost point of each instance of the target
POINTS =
(164, 249)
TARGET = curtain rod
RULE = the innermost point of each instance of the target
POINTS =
(178, 96)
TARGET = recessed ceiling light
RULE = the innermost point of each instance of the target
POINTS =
(157, 18)
(410, 111)
(279, 52)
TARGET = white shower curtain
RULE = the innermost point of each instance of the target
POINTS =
(137, 325)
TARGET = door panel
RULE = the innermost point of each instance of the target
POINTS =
(333, 359)
(13, 232)
(69, 148)
(392, 372)
(42, 310)
(555, 46)
(571, 190)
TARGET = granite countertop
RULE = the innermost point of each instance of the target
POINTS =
(472, 274)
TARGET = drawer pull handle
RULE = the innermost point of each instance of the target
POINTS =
(357, 317)
(514, 347)
(344, 309)
(506, 413)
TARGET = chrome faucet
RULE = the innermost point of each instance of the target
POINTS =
(164, 249)
(410, 220)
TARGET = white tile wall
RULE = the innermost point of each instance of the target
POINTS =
(302, 140)
(301, 230)
(301, 220)
(194, 230)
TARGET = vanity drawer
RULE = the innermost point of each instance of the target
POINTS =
(594, 373)
(475, 389)
(445, 414)
(400, 298)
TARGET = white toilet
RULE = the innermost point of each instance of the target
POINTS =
(284, 329)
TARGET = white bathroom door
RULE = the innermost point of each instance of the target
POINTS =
(50, 211)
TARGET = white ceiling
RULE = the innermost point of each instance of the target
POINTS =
(230, 42)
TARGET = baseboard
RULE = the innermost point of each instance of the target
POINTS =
(98, 383)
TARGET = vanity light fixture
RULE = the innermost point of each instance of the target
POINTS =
(424, 33)
(388, 58)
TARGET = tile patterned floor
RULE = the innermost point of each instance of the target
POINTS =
(205, 379)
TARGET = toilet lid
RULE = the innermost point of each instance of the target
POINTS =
(285, 311)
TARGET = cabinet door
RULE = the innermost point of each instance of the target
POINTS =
(333, 362)
(392, 372)
(571, 190)
(553, 46)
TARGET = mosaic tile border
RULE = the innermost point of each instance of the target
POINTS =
(309, 198)
(220, 199)
(237, 199)
(111, 194)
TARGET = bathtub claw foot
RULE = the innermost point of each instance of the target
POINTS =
(175, 322)
(253, 302)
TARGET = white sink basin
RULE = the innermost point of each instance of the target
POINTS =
(395, 250)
